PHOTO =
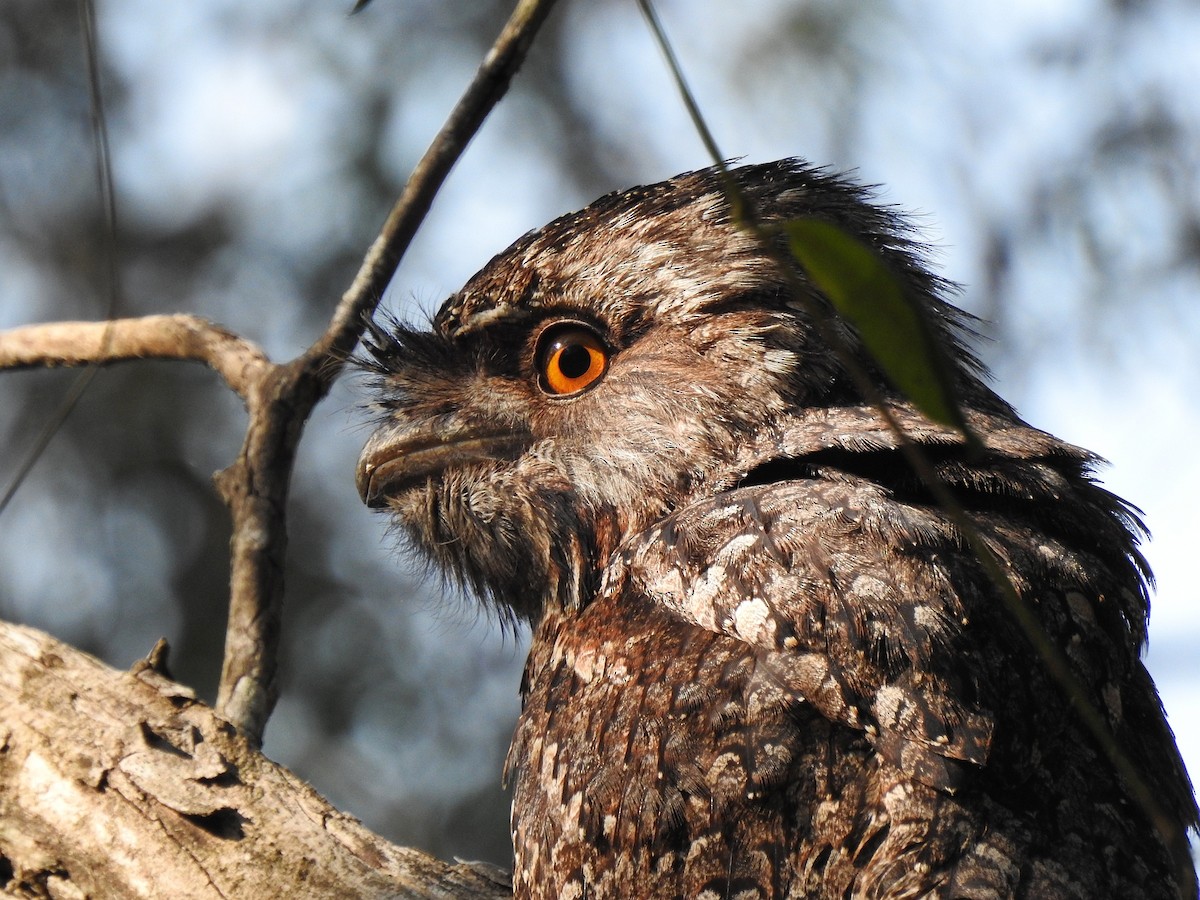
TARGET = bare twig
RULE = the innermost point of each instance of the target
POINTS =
(486, 89)
(238, 361)
(1052, 657)
(280, 398)
(255, 487)
(104, 175)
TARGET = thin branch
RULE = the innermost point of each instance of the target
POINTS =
(689, 99)
(489, 85)
(1018, 606)
(280, 398)
(255, 487)
(104, 174)
(239, 362)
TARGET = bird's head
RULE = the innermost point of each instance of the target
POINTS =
(624, 360)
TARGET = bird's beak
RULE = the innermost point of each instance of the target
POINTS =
(397, 459)
(374, 465)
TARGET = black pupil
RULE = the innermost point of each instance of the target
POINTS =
(574, 361)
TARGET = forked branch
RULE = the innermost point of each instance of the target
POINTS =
(280, 397)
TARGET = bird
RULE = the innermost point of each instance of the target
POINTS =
(765, 661)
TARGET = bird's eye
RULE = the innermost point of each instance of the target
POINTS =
(570, 358)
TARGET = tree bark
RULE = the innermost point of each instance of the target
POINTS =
(122, 784)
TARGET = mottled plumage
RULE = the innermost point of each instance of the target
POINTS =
(764, 662)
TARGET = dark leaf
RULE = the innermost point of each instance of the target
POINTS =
(893, 326)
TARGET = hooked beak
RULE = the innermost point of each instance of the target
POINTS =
(393, 461)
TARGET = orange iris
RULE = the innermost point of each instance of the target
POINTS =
(571, 358)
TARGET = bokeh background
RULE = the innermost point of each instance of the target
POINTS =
(1051, 151)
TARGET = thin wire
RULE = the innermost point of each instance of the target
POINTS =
(112, 289)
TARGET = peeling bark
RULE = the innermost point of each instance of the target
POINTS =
(122, 784)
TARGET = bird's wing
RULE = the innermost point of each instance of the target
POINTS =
(849, 600)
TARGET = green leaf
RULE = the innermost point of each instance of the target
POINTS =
(893, 326)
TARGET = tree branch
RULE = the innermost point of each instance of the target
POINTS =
(104, 771)
(280, 398)
(239, 362)
(255, 487)
(122, 784)
(490, 84)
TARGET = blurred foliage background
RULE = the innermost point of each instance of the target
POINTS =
(1049, 149)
